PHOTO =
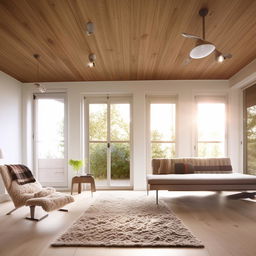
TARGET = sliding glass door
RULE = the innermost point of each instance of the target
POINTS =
(50, 139)
(250, 130)
(108, 144)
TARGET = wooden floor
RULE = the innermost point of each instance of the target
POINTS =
(226, 227)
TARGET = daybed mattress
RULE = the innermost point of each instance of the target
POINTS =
(201, 179)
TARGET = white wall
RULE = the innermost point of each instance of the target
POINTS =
(10, 121)
(244, 77)
(185, 90)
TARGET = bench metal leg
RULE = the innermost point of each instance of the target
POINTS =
(63, 210)
(10, 212)
(32, 214)
(156, 196)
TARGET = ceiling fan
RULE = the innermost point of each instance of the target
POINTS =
(203, 48)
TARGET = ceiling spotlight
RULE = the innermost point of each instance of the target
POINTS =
(40, 87)
(89, 28)
(92, 59)
(220, 58)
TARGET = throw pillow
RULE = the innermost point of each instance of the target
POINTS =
(180, 168)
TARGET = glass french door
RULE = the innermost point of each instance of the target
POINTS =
(50, 139)
(108, 141)
(250, 130)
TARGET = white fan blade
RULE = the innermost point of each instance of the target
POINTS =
(190, 36)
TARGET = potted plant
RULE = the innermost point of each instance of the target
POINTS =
(76, 164)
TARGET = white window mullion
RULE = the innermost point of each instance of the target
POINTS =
(108, 143)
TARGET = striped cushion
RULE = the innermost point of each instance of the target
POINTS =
(165, 166)
(201, 165)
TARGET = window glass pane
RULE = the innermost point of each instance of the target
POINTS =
(211, 149)
(162, 150)
(211, 129)
(211, 121)
(120, 121)
(162, 122)
(50, 128)
(98, 122)
(98, 162)
(120, 164)
(251, 140)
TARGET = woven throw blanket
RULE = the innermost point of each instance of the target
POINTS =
(21, 174)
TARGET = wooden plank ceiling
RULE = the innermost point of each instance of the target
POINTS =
(133, 40)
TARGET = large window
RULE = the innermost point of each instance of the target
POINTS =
(109, 144)
(162, 115)
(250, 129)
(211, 127)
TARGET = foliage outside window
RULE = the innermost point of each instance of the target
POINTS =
(251, 139)
(119, 140)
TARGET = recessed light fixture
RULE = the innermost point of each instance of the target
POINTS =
(89, 28)
(92, 59)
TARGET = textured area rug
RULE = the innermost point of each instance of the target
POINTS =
(127, 219)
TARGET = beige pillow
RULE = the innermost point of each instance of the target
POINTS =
(165, 166)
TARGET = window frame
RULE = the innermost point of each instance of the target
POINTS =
(244, 141)
(107, 99)
(159, 99)
(51, 95)
(211, 99)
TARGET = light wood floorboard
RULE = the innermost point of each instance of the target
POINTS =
(226, 227)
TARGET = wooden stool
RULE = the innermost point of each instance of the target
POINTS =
(83, 179)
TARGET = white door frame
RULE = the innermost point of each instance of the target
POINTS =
(107, 99)
(54, 95)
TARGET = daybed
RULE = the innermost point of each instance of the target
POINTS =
(198, 174)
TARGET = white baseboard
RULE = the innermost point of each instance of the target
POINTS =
(4, 197)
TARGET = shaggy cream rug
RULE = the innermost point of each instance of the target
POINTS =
(127, 219)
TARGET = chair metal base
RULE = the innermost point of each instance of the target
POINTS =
(10, 212)
(32, 214)
(37, 219)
